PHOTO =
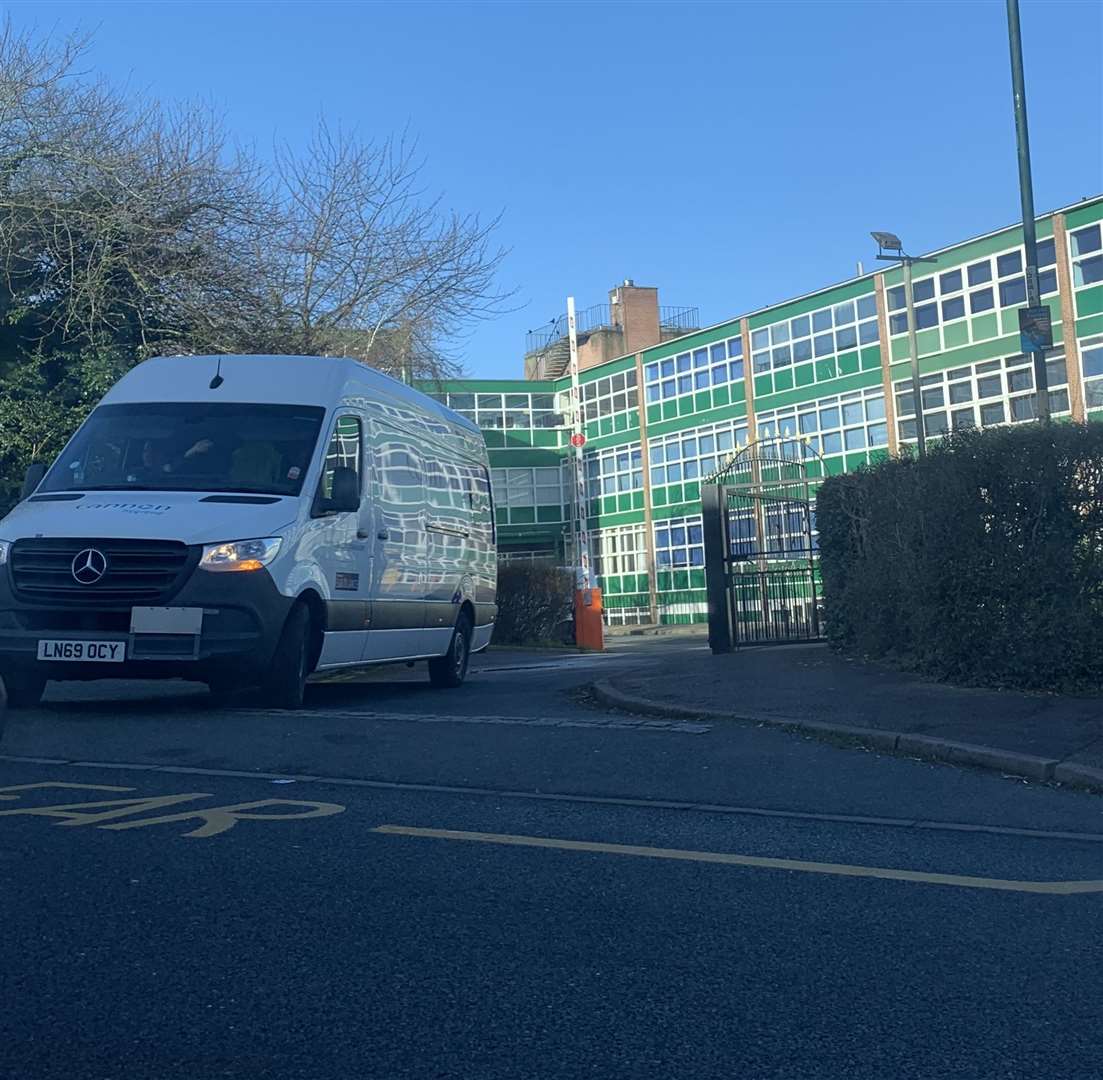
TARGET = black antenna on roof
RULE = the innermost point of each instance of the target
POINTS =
(218, 380)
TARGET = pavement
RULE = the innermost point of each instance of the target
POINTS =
(811, 688)
(509, 881)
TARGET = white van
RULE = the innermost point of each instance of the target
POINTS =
(247, 520)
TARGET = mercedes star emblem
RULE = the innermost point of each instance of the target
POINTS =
(89, 566)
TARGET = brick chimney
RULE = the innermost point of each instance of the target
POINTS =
(635, 309)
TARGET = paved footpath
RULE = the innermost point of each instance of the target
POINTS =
(505, 883)
(1043, 736)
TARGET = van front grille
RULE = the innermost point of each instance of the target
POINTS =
(46, 570)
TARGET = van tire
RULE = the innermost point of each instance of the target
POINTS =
(450, 669)
(285, 684)
(24, 691)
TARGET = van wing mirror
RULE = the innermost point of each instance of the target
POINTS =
(345, 493)
(32, 478)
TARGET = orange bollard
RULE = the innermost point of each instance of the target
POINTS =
(589, 630)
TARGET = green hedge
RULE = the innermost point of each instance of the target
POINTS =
(534, 603)
(981, 565)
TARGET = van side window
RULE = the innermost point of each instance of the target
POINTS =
(345, 451)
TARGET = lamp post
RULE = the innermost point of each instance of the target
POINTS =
(890, 243)
(1026, 193)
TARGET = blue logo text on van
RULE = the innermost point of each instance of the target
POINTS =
(126, 507)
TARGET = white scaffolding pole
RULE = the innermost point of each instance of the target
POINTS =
(581, 532)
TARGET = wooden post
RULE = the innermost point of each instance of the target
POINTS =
(649, 532)
(1068, 320)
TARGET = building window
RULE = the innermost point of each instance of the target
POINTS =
(1086, 250)
(679, 543)
(497, 411)
(514, 488)
(1091, 364)
(981, 395)
(620, 551)
(945, 297)
(839, 424)
(826, 332)
(689, 372)
(613, 394)
(694, 454)
(615, 470)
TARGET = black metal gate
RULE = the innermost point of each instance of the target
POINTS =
(760, 552)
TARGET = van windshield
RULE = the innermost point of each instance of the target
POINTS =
(259, 449)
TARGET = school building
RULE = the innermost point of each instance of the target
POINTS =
(666, 404)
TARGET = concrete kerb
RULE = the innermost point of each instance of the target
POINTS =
(905, 744)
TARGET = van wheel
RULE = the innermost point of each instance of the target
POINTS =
(285, 684)
(24, 691)
(451, 668)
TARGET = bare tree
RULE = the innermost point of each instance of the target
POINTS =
(370, 267)
(126, 223)
(120, 220)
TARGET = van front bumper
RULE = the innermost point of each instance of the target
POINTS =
(243, 616)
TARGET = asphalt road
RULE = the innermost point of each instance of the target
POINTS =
(502, 882)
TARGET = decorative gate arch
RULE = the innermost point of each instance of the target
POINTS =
(760, 548)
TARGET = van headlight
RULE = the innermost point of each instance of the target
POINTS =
(5, 547)
(240, 554)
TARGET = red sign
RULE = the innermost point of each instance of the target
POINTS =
(578, 440)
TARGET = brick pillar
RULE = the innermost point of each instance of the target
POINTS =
(886, 361)
(648, 531)
(1068, 320)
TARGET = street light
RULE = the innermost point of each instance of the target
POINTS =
(891, 244)
(1042, 338)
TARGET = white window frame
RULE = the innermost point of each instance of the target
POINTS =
(620, 550)
(1092, 383)
(811, 422)
(1008, 369)
(703, 462)
(604, 469)
(683, 545)
(677, 375)
(601, 397)
(1075, 260)
(515, 487)
(770, 343)
(896, 305)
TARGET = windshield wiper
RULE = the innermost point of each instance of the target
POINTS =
(108, 487)
(185, 490)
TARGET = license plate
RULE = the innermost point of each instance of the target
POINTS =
(107, 652)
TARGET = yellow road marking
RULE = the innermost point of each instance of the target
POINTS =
(20, 788)
(1059, 888)
(215, 819)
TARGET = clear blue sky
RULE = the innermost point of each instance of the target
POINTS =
(732, 154)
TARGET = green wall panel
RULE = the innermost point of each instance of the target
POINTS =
(503, 459)
(1089, 301)
(955, 335)
(826, 298)
(1084, 214)
(857, 381)
(1091, 325)
(985, 326)
(848, 363)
